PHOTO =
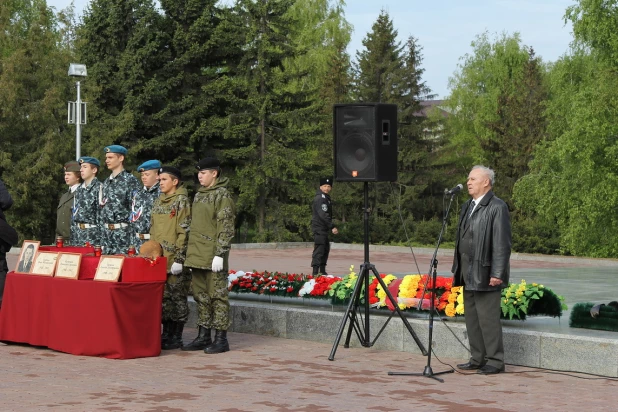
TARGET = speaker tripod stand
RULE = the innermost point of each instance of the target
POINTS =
(359, 323)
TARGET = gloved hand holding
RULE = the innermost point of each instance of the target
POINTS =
(176, 268)
(217, 264)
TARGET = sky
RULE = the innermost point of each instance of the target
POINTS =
(446, 28)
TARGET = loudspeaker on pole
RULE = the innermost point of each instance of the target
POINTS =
(365, 142)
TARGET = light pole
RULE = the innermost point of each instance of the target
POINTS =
(77, 109)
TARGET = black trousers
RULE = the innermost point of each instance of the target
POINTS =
(321, 249)
(482, 314)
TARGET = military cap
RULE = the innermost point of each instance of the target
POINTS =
(208, 163)
(171, 170)
(91, 160)
(326, 181)
(115, 148)
(149, 165)
(71, 166)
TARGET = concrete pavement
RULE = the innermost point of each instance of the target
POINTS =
(269, 374)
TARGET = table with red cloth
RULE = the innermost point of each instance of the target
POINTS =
(119, 320)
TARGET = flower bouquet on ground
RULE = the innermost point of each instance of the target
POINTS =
(526, 299)
(318, 287)
(340, 291)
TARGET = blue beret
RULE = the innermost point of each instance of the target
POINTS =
(91, 160)
(116, 149)
(149, 165)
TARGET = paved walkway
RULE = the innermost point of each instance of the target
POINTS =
(270, 374)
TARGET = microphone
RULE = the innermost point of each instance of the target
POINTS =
(454, 190)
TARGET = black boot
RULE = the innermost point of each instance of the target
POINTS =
(220, 344)
(315, 270)
(323, 270)
(175, 339)
(201, 342)
(165, 335)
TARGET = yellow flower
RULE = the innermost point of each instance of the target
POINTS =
(535, 284)
(402, 306)
(519, 293)
(456, 289)
(460, 299)
(460, 309)
(452, 298)
(450, 310)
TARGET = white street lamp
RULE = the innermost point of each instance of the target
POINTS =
(77, 109)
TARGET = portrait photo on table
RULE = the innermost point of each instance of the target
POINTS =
(26, 256)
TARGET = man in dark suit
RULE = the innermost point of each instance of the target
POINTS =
(481, 266)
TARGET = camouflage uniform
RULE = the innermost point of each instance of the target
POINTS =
(141, 206)
(85, 224)
(212, 231)
(170, 221)
(115, 197)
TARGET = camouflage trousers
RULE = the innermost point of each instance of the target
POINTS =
(211, 295)
(116, 241)
(175, 306)
(79, 237)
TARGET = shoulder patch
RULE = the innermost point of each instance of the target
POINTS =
(323, 196)
(324, 207)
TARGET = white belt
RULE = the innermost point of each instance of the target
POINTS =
(114, 226)
(143, 236)
(85, 225)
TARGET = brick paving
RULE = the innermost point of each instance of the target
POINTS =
(269, 374)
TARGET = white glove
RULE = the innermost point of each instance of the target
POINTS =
(176, 268)
(217, 264)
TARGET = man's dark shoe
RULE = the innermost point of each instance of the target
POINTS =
(468, 366)
(490, 370)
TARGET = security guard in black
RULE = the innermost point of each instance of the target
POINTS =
(322, 225)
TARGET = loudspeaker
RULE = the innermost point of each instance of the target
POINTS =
(365, 142)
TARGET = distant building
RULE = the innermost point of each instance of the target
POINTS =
(433, 130)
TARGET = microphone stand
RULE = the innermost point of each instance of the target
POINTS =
(428, 372)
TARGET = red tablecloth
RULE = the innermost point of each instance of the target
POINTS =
(108, 319)
(68, 249)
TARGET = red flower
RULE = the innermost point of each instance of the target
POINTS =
(172, 213)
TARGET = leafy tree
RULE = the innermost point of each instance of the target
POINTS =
(572, 182)
(35, 140)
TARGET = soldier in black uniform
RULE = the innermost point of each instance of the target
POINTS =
(321, 225)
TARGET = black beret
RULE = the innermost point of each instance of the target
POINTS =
(171, 170)
(208, 163)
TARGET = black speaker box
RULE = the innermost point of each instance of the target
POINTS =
(365, 142)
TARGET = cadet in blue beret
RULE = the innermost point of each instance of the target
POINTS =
(63, 214)
(115, 201)
(84, 226)
(322, 225)
(141, 206)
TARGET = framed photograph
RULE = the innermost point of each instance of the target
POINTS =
(109, 268)
(44, 263)
(68, 265)
(26, 256)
